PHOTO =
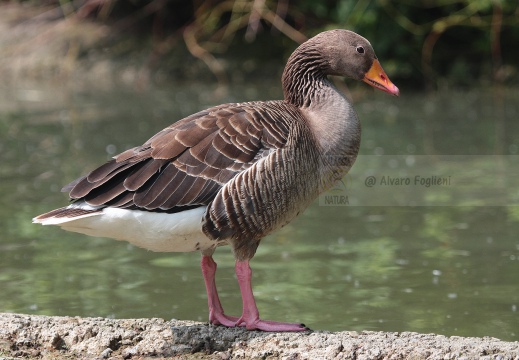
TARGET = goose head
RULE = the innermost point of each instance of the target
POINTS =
(350, 55)
(334, 52)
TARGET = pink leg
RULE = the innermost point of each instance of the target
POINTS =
(216, 315)
(250, 316)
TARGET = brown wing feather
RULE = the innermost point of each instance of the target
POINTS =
(83, 186)
(140, 176)
(170, 190)
(153, 188)
(187, 163)
(176, 196)
(122, 201)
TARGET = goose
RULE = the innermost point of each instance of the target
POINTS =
(233, 173)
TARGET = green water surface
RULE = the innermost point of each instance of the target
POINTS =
(440, 259)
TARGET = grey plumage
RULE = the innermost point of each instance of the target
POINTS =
(254, 165)
(233, 173)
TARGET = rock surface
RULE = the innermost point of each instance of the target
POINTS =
(45, 337)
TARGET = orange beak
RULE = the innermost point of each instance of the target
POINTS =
(377, 78)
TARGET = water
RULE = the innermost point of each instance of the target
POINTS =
(395, 257)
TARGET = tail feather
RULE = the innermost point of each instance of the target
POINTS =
(64, 214)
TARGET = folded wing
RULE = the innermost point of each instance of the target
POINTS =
(186, 164)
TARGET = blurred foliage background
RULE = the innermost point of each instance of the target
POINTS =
(422, 44)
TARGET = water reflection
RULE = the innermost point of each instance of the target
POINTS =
(443, 269)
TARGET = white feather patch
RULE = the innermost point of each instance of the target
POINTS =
(163, 232)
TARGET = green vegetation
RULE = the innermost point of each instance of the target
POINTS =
(421, 42)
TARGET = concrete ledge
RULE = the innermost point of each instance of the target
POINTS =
(47, 337)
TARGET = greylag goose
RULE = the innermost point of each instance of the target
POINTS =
(233, 173)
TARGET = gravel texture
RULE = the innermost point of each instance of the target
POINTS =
(47, 337)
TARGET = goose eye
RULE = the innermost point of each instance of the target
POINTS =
(360, 49)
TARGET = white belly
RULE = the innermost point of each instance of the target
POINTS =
(178, 232)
